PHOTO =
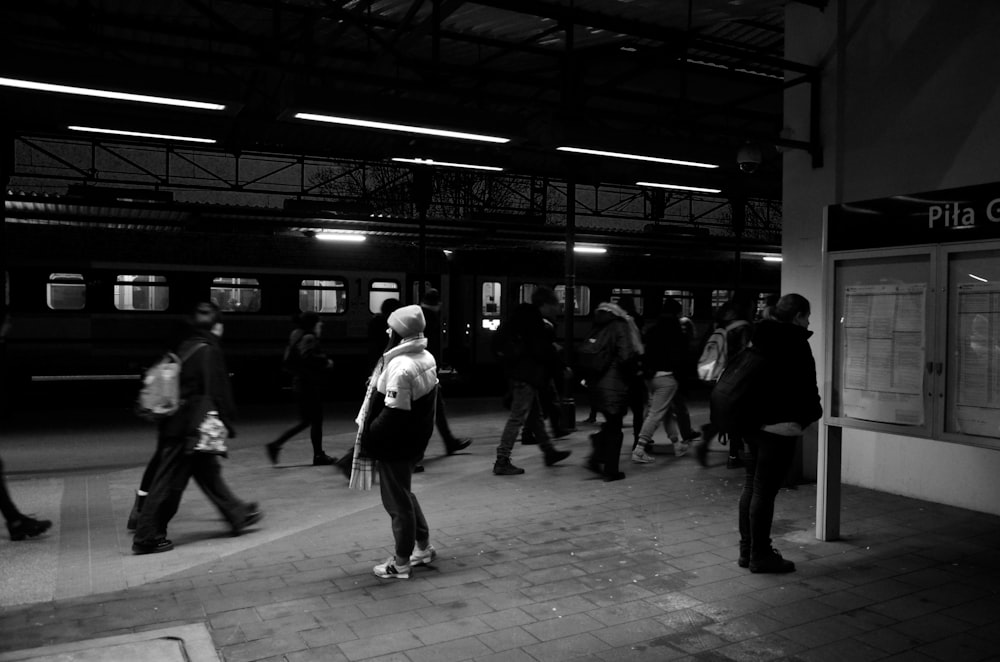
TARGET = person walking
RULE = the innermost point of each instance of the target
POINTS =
(305, 359)
(665, 360)
(395, 424)
(526, 346)
(19, 525)
(788, 402)
(204, 387)
(617, 341)
(431, 308)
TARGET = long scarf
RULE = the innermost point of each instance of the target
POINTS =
(363, 468)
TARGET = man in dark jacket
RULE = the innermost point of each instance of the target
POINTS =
(309, 365)
(788, 401)
(204, 387)
(431, 307)
(525, 345)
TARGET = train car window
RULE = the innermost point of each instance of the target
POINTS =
(720, 297)
(525, 292)
(379, 291)
(581, 299)
(491, 303)
(762, 302)
(66, 292)
(236, 295)
(141, 292)
(686, 299)
(619, 293)
(323, 296)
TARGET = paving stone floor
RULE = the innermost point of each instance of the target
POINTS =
(552, 565)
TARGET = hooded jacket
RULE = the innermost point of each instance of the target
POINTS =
(787, 387)
(526, 345)
(401, 418)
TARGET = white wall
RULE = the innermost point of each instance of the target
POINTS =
(910, 103)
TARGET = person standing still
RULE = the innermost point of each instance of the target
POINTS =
(397, 421)
(789, 402)
(309, 365)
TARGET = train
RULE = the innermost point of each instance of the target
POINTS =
(92, 305)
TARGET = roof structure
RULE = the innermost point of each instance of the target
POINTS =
(693, 81)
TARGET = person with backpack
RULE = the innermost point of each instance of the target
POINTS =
(204, 388)
(609, 361)
(732, 334)
(785, 400)
(305, 360)
(525, 345)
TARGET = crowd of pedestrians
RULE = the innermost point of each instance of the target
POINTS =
(403, 404)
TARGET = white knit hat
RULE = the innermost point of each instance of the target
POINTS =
(407, 321)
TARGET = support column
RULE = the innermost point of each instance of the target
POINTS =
(828, 483)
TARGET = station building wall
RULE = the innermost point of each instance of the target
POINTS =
(909, 104)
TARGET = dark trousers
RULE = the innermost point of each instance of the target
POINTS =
(408, 524)
(176, 467)
(679, 408)
(441, 421)
(768, 457)
(607, 444)
(310, 416)
(7, 507)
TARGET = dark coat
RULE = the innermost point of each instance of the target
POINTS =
(312, 363)
(204, 386)
(788, 388)
(526, 345)
(667, 350)
(612, 388)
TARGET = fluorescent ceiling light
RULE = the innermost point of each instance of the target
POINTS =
(405, 128)
(333, 235)
(979, 278)
(678, 187)
(139, 134)
(589, 249)
(431, 162)
(108, 94)
(772, 258)
(636, 157)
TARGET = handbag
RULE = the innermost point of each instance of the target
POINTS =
(212, 435)
(212, 432)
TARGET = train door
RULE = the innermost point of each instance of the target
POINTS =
(490, 300)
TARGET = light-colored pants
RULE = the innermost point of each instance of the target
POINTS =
(661, 391)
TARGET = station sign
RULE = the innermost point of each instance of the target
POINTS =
(963, 214)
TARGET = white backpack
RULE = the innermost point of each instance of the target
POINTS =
(160, 395)
(712, 361)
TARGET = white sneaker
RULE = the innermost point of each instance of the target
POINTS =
(680, 448)
(423, 556)
(640, 456)
(390, 570)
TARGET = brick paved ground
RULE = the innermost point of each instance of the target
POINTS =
(551, 565)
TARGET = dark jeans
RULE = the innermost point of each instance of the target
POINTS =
(310, 416)
(441, 420)
(525, 411)
(176, 467)
(768, 457)
(408, 523)
(7, 507)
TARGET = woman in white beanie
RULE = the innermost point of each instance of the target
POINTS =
(397, 420)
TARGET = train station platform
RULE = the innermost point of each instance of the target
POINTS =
(552, 565)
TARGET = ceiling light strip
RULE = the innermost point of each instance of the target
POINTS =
(140, 134)
(108, 94)
(635, 157)
(341, 236)
(404, 128)
(679, 187)
(431, 162)
(589, 249)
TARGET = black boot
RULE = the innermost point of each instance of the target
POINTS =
(553, 455)
(133, 516)
(27, 527)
